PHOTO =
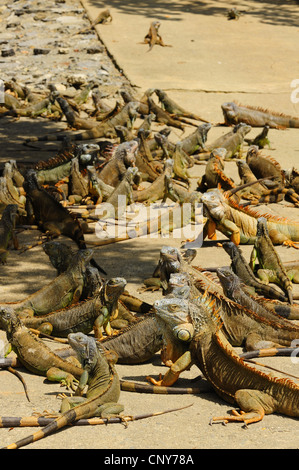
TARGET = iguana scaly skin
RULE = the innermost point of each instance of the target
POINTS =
(33, 353)
(240, 224)
(256, 393)
(256, 117)
(126, 116)
(51, 216)
(214, 172)
(246, 322)
(242, 269)
(269, 260)
(156, 190)
(123, 157)
(92, 314)
(102, 395)
(7, 231)
(78, 184)
(59, 293)
(264, 167)
(196, 141)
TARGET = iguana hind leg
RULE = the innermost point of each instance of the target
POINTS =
(254, 405)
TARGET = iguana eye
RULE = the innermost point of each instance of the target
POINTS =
(173, 308)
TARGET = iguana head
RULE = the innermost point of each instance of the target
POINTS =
(229, 281)
(126, 151)
(230, 248)
(262, 227)
(244, 129)
(11, 213)
(230, 114)
(175, 313)
(214, 203)
(59, 253)
(110, 294)
(252, 152)
(179, 285)
(85, 348)
(30, 181)
(203, 130)
(82, 258)
(9, 320)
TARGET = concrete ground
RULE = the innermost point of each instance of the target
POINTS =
(212, 60)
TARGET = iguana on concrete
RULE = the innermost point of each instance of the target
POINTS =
(269, 260)
(79, 186)
(214, 172)
(62, 291)
(153, 37)
(257, 393)
(126, 116)
(103, 17)
(163, 116)
(261, 140)
(102, 394)
(8, 222)
(123, 157)
(256, 117)
(240, 224)
(173, 108)
(263, 167)
(196, 140)
(51, 216)
(241, 268)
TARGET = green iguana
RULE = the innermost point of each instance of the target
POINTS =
(256, 117)
(102, 394)
(153, 37)
(64, 290)
(271, 268)
(173, 108)
(123, 157)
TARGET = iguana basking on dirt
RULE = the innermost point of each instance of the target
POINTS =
(153, 37)
(62, 291)
(51, 216)
(126, 117)
(257, 393)
(8, 222)
(173, 108)
(270, 265)
(123, 157)
(256, 117)
(240, 224)
(102, 394)
(241, 268)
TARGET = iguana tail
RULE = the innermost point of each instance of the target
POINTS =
(32, 421)
(149, 388)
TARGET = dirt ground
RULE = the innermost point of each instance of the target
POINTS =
(245, 76)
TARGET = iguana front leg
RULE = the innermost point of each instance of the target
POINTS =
(183, 363)
(54, 374)
(278, 238)
(254, 405)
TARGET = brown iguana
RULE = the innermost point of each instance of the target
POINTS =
(214, 172)
(269, 260)
(123, 157)
(156, 189)
(173, 108)
(263, 167)
(153, 37)
(7, 231)
(256, 117)
(239, 224)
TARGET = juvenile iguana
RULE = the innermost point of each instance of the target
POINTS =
(153, 37)
(173, 108)
(256, 117)
(270, 265)
(8, 222)
(102, 394)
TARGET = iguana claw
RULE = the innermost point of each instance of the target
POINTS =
(154, 381)
(291, 244)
